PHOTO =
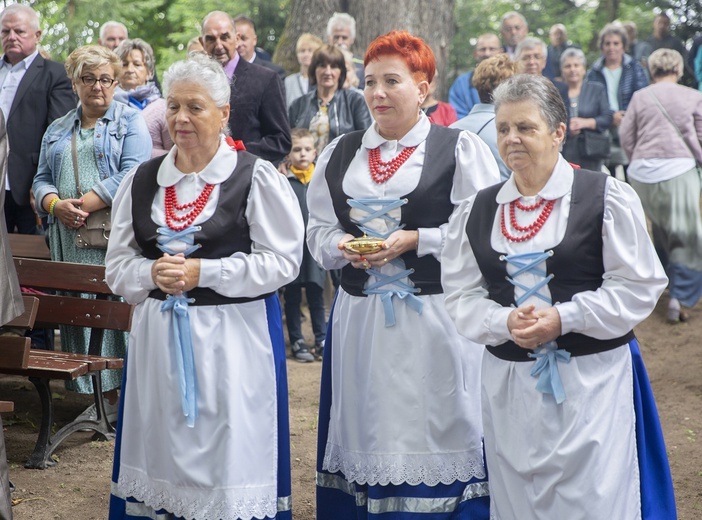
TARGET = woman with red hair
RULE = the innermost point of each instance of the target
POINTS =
(400, 432)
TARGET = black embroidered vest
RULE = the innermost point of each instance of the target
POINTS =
(225, 233)
(429, 204)
(576, 262)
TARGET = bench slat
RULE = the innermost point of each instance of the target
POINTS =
(14, 352)
(83, 312)
(50, 368)
(29, 246)
(27, 318)
(61, 275)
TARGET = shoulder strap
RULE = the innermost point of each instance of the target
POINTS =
(486, 123)
(74, 156)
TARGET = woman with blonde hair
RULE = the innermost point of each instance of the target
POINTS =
(662, 134)
(84, 157)
(481, 119)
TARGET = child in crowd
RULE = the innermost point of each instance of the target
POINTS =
(312, 277)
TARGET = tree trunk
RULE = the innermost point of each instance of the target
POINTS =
(431, 20)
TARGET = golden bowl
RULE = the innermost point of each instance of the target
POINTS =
(364, 245)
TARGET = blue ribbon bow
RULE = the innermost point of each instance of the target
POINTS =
(546, 369)
(183, 353)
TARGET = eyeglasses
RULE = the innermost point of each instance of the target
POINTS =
(105, 81)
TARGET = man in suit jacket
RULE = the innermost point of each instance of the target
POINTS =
(257, 108)
(246, 29)
(33, 92)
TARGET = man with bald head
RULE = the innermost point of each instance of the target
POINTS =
(513, 28)
(462, 94)
(257, 116)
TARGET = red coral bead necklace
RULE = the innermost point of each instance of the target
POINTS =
(180, 222)
(532, 229)
(382, 171)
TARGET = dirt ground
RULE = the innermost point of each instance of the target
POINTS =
(77, 488)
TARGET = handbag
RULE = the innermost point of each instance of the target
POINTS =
(95, 231)
(593, 144)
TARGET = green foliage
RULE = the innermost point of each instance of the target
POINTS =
(167, 25)
(582, 18)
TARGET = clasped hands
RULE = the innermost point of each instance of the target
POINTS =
(397, 243)
(531, 328)
(176, 274)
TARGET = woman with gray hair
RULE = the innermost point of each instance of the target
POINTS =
(83, 160)
(202, 238)
(621, 75)
(662, 133)
(138, 90)
(554, 285)
(587, 142)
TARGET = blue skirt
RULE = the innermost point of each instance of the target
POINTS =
(339, 499)
(657, 496)
(130, 509)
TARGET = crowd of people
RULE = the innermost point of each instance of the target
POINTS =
(478, 360)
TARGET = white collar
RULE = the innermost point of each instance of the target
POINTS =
(418, 134)
(217, 170)
(559, 184)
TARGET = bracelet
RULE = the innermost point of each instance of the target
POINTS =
(52, 204)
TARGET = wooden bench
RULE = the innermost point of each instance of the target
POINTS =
(43, 366)
(29, 246)
(14, 350)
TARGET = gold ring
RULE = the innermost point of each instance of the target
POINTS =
(385, 259)
(365, 265)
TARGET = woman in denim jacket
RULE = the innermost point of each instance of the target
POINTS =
(110, 139)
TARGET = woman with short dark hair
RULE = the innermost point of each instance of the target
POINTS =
(328, 110)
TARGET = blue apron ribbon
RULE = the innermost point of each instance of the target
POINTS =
(547, 356)
(182, 339)
(187, 235)
(386, 205)
(402, 290)
(546, 369)
(185, 359)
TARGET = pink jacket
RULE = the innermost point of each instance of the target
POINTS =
(645, 133)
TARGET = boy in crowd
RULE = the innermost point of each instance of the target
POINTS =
(312, 277)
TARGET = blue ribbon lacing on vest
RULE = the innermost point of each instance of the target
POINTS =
(401, 289)
(547, 356)
(182, 339)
